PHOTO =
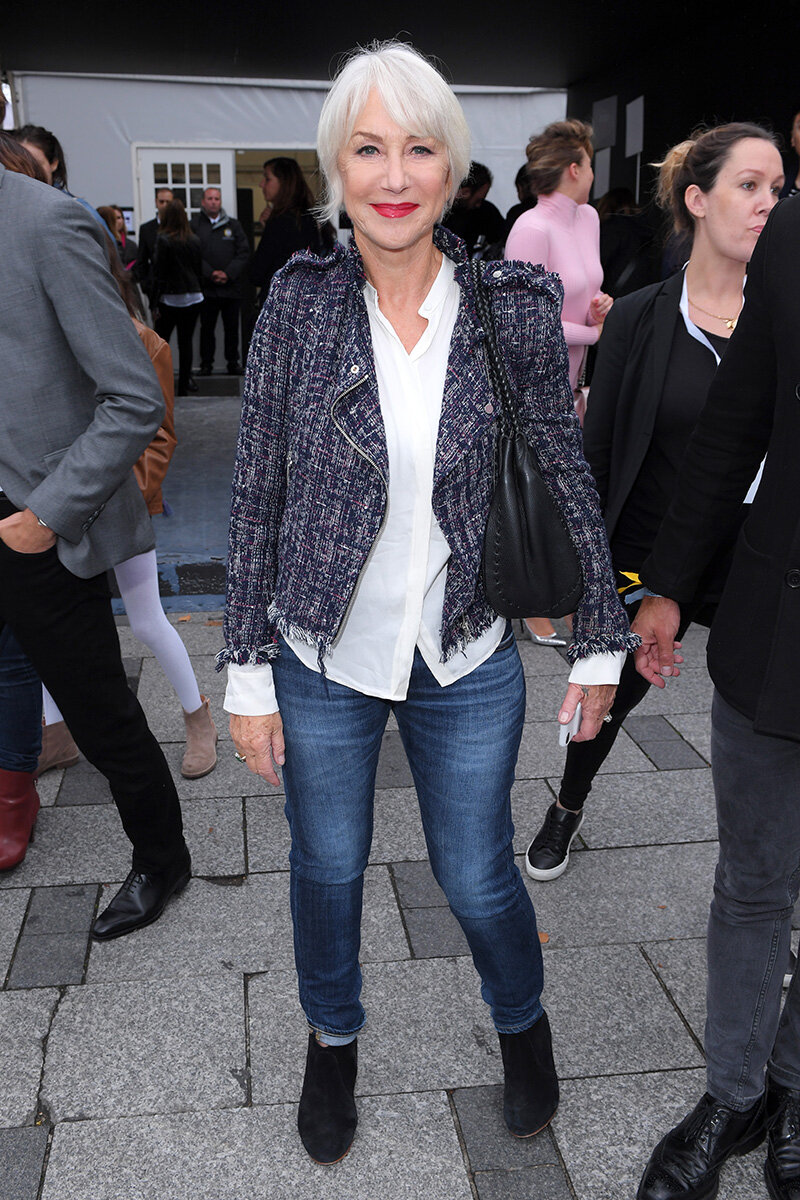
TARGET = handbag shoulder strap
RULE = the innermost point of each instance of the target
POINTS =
(501, 385)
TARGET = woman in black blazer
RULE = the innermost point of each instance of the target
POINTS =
(657, 356)
(177, 287)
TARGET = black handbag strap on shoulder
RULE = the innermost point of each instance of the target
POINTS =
(501, 385)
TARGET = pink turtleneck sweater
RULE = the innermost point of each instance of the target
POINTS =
(565, 238)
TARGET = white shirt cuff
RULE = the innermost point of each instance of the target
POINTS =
(250, 691)
(598, 668)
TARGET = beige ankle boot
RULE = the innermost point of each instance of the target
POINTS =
(58, 748)
(201, 743)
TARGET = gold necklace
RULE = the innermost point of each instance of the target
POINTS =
(730, 322)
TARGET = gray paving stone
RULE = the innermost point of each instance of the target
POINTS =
(73, 845)
(682, 968)
(201, 634)
(12, 913)
(393, 768)
(83, 784)
(229, 777)
(539, 662)
(490, 1147)
(382, 935)
(427, 1028)
(540, 755)
(646, 809)
(48, 960)
(24, 1022)
(645, 894)
(138, 1048)
(544, 696)
(672, 755)
(163, 708)
(643, 729)
(214, 832)
(67, 909)
(21, 1157)
(209, 928)
(545, 1183)
(689, 692)
(268, 840)
(416, 885)
(435, 933)
(696, 728)
(610, 1016)
(606, 1129)
(47, 786)
(405, 1148)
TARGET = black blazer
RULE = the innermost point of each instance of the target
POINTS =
(753, 408)
(626, 390)
(143, 271)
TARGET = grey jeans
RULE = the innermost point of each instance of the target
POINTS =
(757, 786)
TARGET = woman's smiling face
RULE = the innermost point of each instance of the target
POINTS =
(395, 183)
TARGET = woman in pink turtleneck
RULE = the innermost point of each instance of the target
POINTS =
(562, 233)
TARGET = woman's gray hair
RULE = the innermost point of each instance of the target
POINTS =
(414, 94)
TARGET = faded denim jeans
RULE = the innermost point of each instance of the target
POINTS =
(462, 743)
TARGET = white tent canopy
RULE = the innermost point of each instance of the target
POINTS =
(103, 121)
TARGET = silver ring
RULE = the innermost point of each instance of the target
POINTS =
(242, 758)
(607, 718)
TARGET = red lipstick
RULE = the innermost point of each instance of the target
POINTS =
(394, 210)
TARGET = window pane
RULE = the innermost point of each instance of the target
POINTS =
(213, 173)
(196, 195)
(195, 172)
(160, 173)
(179, 172)
(180, 194)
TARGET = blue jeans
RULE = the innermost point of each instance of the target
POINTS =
(462, 743)
(20, 707)
(757, 786)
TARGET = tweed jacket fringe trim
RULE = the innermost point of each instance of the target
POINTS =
(310, 481)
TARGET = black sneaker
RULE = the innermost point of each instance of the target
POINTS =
(548, 853)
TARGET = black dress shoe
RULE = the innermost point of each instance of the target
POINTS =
(191, 385)
(235, 369)
(530, 1092)
(327, 1117)
(141, 900)
(204, 371)
(782, 1168)
(685, 1164)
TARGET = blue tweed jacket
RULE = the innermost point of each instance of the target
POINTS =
(311, 475)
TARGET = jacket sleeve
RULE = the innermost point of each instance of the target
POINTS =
(601, 412)
(259, 483)
(238, 263)
(727, 445)
(540, 367)
(73, 272)
(151, 468)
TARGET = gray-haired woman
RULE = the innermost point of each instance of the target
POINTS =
(363, 479)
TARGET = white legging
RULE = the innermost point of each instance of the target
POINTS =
(137, 580)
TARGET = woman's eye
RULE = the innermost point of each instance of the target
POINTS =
(749, 185)
(421, 150)
(367, 151)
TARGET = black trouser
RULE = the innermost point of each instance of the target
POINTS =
(184, 320)
(584, 759)
(66, 628)
(229, 307)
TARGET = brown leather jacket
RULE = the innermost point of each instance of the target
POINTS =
(152, 466)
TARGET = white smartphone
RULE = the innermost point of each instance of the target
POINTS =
(567, 732)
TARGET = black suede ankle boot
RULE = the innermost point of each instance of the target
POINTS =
(530, 1095)
(327, 1117)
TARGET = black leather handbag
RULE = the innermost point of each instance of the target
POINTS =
(530, 566)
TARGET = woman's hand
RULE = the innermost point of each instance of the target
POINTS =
(595, 701)
(600, 307)
(23, 533)
(259, 740)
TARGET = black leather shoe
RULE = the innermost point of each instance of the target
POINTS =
(235, 369)
(191, 385)
(530, 1092)
(548, 854)
(782, 1168)
(685, 1164)
(327, 1117)
(141, 900)
(204, 371)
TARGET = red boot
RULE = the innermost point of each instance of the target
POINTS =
(19, 806)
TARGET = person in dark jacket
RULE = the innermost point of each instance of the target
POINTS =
(225, 253)
(289, 223)
(148, 233)
(177, 292)
(752, 1048)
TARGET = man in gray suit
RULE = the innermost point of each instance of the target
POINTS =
(79, 402)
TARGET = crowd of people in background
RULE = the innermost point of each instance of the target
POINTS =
(639, 372)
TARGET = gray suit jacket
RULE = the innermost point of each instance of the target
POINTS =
(79, 399)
